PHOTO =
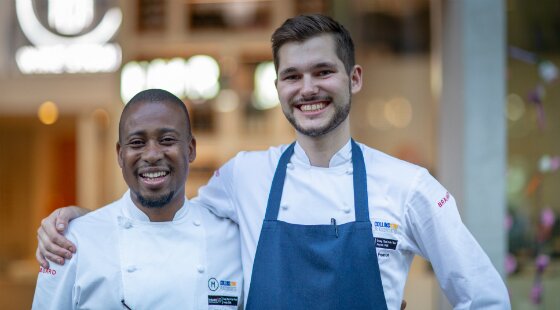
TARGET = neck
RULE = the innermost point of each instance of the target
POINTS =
(321, 149)
(162, 214)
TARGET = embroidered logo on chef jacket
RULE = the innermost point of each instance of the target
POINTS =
(48, 271)
(219, 298)
(385, 226)
(230, 286)
(213, 284)
(443, 200)
(222, 285)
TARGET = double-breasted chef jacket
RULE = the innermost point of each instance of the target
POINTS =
(411, 214)
(124, 261)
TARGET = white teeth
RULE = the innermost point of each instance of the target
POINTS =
(152, 175)
(313, 107)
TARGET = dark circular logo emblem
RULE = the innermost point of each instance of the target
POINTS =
(213, 284)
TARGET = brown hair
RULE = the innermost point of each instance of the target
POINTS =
(303, 27)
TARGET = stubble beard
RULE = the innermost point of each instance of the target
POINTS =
(155, 202)
(340, 114)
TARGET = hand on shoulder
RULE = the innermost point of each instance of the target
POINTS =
(52, 244)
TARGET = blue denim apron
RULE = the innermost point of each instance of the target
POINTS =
(316, 266)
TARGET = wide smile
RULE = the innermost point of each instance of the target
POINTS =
(312, 107)
(154, 178)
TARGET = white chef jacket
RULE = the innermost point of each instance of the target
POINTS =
(191, 262)
(411, 214)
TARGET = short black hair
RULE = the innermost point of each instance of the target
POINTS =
(303, 27)
(155, 95)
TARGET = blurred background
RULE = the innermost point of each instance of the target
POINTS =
(467, 89)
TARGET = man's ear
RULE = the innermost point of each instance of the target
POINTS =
(119, 157)
(356, 79)
(192, 150)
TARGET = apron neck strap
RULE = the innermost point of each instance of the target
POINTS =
(359, 178)
(277, 187)
(360, 184)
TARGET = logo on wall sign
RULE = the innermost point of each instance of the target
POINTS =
(71, 43)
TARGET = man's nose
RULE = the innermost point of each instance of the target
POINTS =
(309, 86)
(153, 152)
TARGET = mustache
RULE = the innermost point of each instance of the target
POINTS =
(304, 100)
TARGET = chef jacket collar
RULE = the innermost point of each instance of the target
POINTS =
(343, 156)
(132, 212)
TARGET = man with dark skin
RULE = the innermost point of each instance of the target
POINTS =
(151, 249)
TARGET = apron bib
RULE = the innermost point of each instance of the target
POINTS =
(316, 266)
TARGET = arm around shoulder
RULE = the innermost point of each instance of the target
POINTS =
(52, 245)
(216, 196)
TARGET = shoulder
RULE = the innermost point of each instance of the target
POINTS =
(400, 182)
(209, 219)
(373, 156)
(100, 219)
(392, 169)
(413, 184)
(262, 156)
(252, 161)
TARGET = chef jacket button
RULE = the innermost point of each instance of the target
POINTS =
(196, 223)
(131, 269)
(127, 225)
(200, 268)
(284, 207)
(349, 171)
(290, 166)
(346, 210)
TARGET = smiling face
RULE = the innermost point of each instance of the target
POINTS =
(313, 86)
(154, 151)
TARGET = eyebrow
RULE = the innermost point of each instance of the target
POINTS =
(160, 131)
(319, 65)
(288, 71)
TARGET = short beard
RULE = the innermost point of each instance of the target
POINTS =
(156, 203)
(341, 113)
